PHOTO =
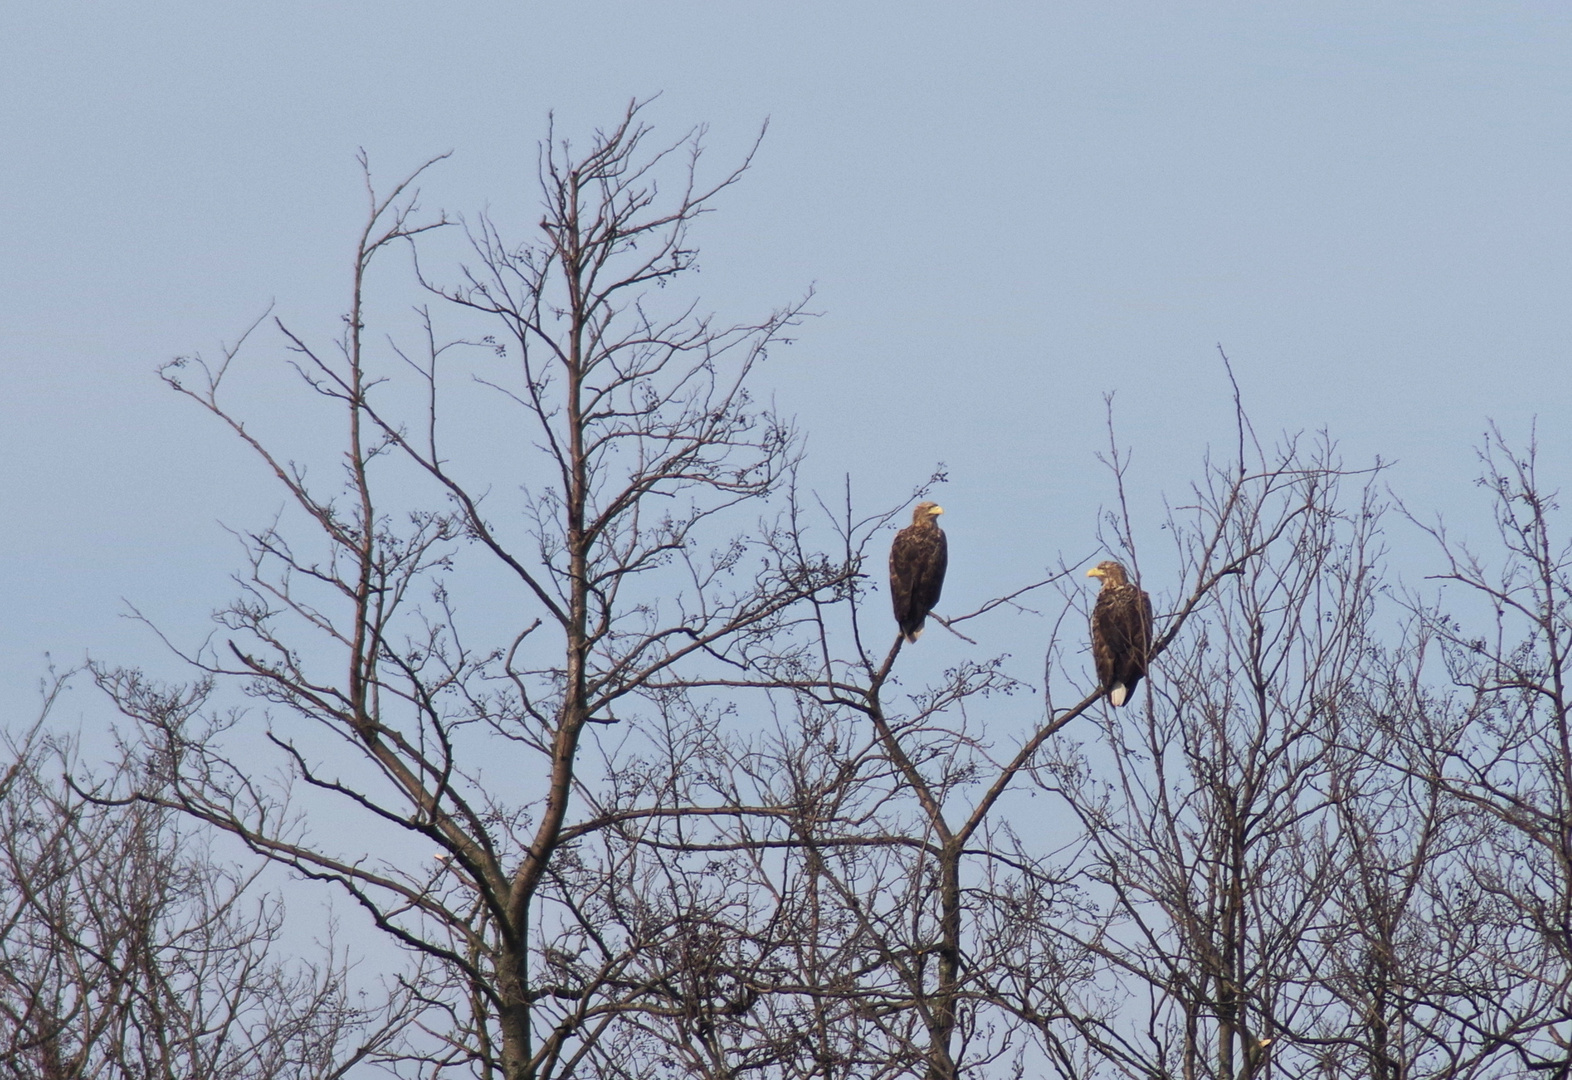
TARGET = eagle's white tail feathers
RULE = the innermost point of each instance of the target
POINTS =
(914, 635)
(1117, 693)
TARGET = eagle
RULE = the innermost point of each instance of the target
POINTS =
(917, 561)
(1121, 632)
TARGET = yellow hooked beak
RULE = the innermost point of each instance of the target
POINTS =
(1095, 571)
(936, 511)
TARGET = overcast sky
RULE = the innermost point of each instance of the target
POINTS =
(1008, 210)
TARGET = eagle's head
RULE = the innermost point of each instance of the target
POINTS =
(926, 513)
(1109, 572)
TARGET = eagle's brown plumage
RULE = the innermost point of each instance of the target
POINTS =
(917, 561)
(1121, 632)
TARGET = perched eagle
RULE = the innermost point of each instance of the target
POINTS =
(1121, 632)
(917, 561)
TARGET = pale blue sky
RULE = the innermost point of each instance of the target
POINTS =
(1008, 210)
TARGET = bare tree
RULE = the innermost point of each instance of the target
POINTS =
(1501, 746)
(127, 949)
(1200, 811)
(465, 735)
(565, 697)
(1405, 990)
(914, 926)
(1309, 856)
